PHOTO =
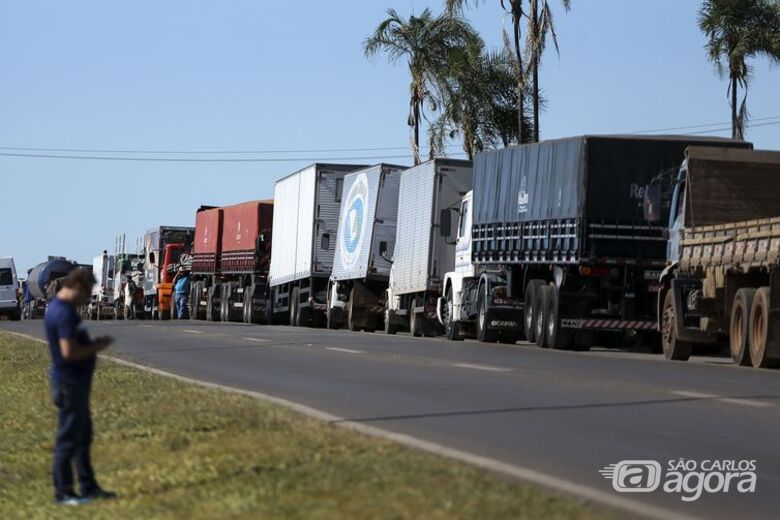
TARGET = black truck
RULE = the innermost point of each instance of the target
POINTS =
(559, 244)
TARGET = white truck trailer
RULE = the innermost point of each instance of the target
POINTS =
(429, 196)
(366, 241)
(307, 203)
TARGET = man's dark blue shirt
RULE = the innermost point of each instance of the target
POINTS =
(63, 322)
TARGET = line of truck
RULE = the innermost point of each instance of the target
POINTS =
(669, 241)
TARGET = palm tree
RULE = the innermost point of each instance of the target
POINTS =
(515, 9)
(540, 24)
(480, 104)
(427, 43)
(738, 30)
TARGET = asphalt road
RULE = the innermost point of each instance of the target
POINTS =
(564, 414)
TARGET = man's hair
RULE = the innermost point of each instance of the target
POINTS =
(79, 278)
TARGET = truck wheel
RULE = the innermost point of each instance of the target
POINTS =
(484, 334)
(224, 308)
(293, 305)
(674, 348)
(211, 311)
(740, 325)
(195, 293)
(557, 337)
(451, 327)
(352, 318)
(391, 329)
(761, 337)
(249, 307)
(530, 310)
(415, 321)
(543, 296)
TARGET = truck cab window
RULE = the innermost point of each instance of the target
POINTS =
(339, 189)
(464, 213)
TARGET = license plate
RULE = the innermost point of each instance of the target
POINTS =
(653, 275)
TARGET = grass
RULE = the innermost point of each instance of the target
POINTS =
(175, 450)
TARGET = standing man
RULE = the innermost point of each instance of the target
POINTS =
(181, 288)
(73, 356)
(130, 289)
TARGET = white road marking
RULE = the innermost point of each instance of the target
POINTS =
(188, 331)
(511, 470)
(697, 395)
(146, 326)
(730, 400)
(256, 340)
(345, 350)
(746, 402)
(482, 367)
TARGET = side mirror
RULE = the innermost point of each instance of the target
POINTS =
(151, 259)
(445, 223)
(383, 249)
(261, 243)
(652, 203)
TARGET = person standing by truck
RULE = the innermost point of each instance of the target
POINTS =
(130, 290)
(73, 355)
(181, 288)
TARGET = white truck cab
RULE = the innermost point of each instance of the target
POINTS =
(9, 286)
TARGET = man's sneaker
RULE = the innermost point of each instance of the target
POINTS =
(99, 494)
(71, 500)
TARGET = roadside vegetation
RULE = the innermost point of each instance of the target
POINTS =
(175, 450)
(488, 99)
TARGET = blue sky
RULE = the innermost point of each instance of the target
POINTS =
(251, 75)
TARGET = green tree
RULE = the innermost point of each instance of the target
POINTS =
(428, 44)
(515, 9)
(540, 25)
(479, 104)
(738, 30)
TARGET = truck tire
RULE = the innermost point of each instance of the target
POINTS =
(484, 334)
(352, 317)
(225, 304)
(674, 348)
(415, 321)
(293, 306)
(391, 329)
(558, 338)
(543, 296)
(530, 310)
(740, 325)
(211, 307)
(195, 306)
(451, 327)
(248, 307)
(762, 338)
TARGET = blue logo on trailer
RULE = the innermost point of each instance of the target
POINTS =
(353, 222)
(353, 225)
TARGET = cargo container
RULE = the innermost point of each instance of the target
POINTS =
(427, 195)
(231, 257)
(366, 241)
(722, 283)
(305, 240)
(553, 243)
(163, 250)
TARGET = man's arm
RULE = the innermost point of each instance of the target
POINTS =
(72, 350)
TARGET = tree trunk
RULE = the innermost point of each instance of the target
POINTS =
(735, 133)
(516, 20)
(535, 68)
(417, 159)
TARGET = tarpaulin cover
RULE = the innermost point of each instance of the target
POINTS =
(243, 223)
(599, 178)
(731, 185)
(208, 229)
